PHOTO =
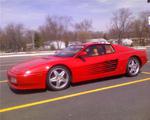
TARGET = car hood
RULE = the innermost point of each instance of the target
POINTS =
(29, 65)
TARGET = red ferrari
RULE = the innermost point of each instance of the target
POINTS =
(76, 63)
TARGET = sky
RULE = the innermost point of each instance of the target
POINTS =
(32, 13)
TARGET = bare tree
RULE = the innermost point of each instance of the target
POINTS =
(12, 38)
(37, 40)
(2, 41)
(83, 29)
(146, 28)
(121, 22)
(56, 28)
(141, 29)
(97, 34)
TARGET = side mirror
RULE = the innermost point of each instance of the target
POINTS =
(82, 54)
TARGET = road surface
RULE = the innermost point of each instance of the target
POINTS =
(118, 98)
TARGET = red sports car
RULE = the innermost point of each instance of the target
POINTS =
(76, 63)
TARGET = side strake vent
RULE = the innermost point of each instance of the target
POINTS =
(103, 67)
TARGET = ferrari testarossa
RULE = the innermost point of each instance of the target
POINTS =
(76, 63)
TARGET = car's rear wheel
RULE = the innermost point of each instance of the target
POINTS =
(133, 67)
(59, 78)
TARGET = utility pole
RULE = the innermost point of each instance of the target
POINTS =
(33, 44)
(149, 20)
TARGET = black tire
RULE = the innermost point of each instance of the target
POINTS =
(54, 77)
(133, 70)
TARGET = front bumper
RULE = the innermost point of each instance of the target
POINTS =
(32, 81)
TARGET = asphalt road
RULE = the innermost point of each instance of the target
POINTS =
(117, 98)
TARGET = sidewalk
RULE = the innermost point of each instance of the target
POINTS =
(20, 54)
(141, 47)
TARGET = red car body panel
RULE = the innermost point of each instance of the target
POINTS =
(81, 70)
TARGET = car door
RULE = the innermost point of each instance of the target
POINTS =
(94, 65)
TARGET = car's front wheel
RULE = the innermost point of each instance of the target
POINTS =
(133, 67)
(59, 78)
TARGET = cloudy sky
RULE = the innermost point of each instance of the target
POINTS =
(32, 13)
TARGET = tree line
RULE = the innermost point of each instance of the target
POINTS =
(124, 24)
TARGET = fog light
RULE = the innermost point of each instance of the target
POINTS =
(13, 80)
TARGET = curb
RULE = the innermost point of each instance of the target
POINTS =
(21, 55)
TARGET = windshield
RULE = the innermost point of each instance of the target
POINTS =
(69, 51)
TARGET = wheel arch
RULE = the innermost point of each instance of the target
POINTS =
(138, 58)
(63, 66)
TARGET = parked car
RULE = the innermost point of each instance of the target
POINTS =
(127, 42)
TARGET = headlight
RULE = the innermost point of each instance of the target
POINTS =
(27, 73)
(47, 67)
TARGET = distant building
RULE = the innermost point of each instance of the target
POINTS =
(74, 43)
(55, 44)
(127, 42)
(29, 46)
(124, 41)
(98, 40)
(113, 41)
(132, 41)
